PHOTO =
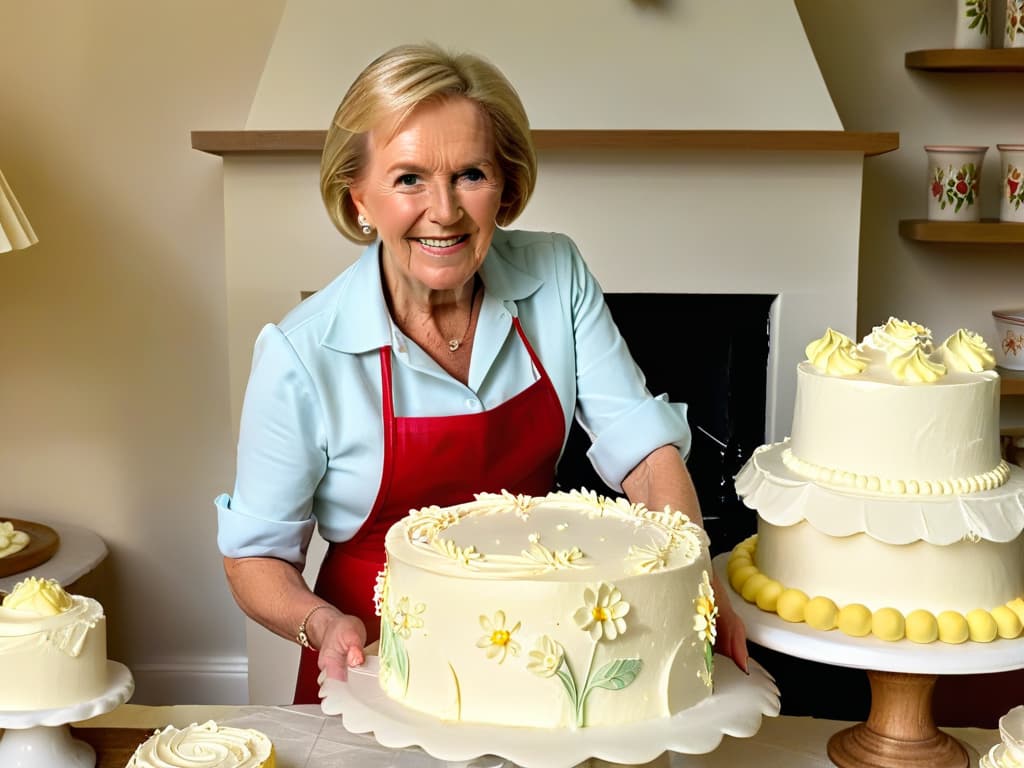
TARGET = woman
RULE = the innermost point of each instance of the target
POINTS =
(449, 360)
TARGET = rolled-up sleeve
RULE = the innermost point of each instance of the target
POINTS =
(281, 458)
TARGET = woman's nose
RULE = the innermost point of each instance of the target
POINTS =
(444, 205)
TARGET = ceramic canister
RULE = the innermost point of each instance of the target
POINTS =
(1011, 182)
(954, 181)
(972, 24)
(1009, 346)
(1013, 30)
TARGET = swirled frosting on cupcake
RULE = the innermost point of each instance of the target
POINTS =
(205, 745)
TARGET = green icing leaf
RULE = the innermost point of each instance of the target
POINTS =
(616, 675)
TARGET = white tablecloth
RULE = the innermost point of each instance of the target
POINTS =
(305, 738)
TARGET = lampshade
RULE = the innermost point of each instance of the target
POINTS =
(15, 231)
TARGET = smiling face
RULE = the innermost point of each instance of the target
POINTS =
(432, 190)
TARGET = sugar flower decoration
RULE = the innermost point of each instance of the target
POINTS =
(546, 658)
(603, 612)
(707, 612)
(498, 637)
(404, 619)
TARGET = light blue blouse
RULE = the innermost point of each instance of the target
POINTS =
(310, 448)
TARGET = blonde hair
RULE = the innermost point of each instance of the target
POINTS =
(396, 83)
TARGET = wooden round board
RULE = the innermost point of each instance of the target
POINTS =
(43, 542)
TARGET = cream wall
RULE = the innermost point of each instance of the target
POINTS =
(114, 377)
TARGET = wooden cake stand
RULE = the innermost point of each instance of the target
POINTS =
(900, 730)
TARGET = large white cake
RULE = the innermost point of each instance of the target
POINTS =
(889, 510)
(53, 647)
(565, 611)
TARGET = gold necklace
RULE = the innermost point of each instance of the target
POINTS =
(454, 344)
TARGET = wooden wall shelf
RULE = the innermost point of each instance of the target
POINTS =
(1011, 382)
(966, 60)
(249, 142)
(984, 232)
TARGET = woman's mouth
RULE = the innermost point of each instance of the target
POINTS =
(442, 242)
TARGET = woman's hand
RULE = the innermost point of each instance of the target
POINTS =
(731, 637)
(341, 644)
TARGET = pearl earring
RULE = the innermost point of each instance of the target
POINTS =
(364, 224)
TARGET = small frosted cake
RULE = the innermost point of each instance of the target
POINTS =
(11, 539)
(53, 647)
(205, 746)
(889, 511)
(1009, 752)
(565, 611)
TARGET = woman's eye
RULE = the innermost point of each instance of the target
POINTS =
(473, 174)
(408, 180)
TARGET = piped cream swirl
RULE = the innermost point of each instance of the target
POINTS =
(965, 350)
(835, 355)
(204, 746)
(914, 366)
(898, 337)
(39, 597)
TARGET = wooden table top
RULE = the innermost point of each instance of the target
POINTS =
(114, 746)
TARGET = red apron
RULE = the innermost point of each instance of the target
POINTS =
(439, 460)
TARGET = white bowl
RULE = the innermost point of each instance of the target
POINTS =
(1009, 342)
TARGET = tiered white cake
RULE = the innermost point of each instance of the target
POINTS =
(889, 511)
(565, 611)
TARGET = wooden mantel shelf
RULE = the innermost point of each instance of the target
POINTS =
(966, 60)
(984, 232)
(249, 142)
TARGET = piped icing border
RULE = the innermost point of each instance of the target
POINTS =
(680, 538)
(839, 478)
(819, 612)
(782, 497)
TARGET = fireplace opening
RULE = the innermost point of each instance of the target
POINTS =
(711, 352)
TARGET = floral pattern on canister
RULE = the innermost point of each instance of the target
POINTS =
(956, 187)
(1012, 343)
(1014, 187)
(603, 617)
(976, 12)
(1014, 20)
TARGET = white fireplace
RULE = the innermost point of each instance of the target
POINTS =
(686, 220)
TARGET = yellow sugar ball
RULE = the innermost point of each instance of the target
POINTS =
(821, 613)
(855, 620)
(1008, 625)
(922, 627)
(887, 624)
(790, 605)
(768, 596)
(981, 627)
(752, 585)
(736, 562)
(1017, 606)
(952, 627)
(739, 577)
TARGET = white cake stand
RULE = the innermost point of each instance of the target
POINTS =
(900, 730)
(41, 738)
(735, 709)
